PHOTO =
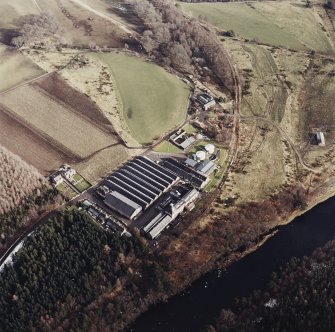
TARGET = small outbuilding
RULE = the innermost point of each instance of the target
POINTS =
(320, 138)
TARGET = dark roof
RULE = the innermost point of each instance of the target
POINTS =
(185, 172)
(122, 204)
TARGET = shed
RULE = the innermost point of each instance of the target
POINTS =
(320, 138)
(189, 141)
(207, 167)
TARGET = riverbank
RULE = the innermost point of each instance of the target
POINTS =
(198, 304)
(321, 193)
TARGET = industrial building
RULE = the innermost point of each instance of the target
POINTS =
(182, 139)
(135, 186)
(122, 205)
(175, 204)
(185, 172)
(207, 167)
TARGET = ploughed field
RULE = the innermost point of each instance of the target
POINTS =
(57, 123)
(288, 24)
(48, 123)
(153, 100)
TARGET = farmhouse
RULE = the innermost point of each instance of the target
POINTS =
(56, 178)
(320, 138)
(206, 100)
(67, 171)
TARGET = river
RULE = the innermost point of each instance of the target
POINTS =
(199, 304)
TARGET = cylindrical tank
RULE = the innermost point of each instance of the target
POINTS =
(200, 155)
(210, 148)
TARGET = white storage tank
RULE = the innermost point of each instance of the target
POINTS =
(200, 155)
(210, 148)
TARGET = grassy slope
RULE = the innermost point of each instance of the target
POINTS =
(276, 23)
(15, 68)
(154, 101)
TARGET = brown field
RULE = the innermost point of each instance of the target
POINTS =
(56, 122)
(54, 85)
(32, 148)
(49, 123)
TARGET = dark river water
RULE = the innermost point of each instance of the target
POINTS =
(198, 305)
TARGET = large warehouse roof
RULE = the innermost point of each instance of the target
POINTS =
(122, 205)
(140, 181)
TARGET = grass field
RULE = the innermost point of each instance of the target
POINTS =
(317, 108)
(82, 185)
(153, 100)
(167, 147)
(267, 94)
(66, 190)
(55, 121)
(288, 24)
(15, 68)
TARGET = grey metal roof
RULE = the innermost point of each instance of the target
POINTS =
(187, 142)
(122, 204)
(160, 226)
(191, 162)
(206, 167)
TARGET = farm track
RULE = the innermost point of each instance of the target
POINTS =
(283, 132)
(107, 17)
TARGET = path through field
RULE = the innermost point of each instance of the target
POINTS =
(107, 17)
(35, 2)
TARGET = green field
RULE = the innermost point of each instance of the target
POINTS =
(66, 190)
(190, 129)
(288, 24)
(167, 147)
(153, 100)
